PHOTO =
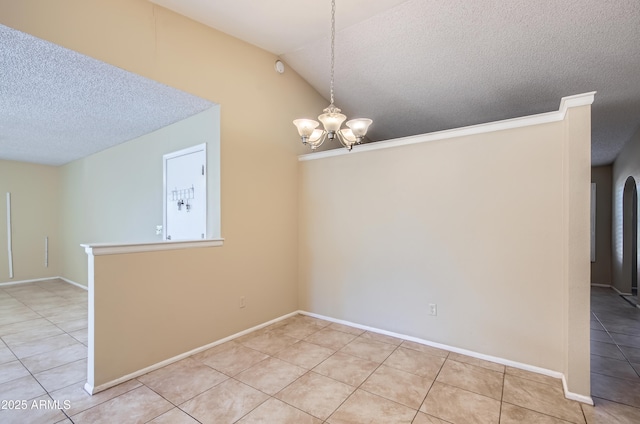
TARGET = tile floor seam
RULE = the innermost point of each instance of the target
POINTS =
(544, 413)
(360, 385)
(157, 393)
(433, 383)
(617, 345)
(502, 402)
(294, 406)
(31, 374)
(257, 406)
(47, 393)
(583, 414)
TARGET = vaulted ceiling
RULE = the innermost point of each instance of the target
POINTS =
(418, 66)
(413, 66)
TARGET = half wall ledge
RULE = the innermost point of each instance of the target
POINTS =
(98, 249)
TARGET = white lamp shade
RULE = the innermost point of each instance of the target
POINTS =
(332, 121)
(348, 135)
(359, 126)
(315, 135)
(305, 127)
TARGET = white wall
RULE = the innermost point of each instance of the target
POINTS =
(116, 195)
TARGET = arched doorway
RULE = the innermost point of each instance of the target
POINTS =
(630, 235)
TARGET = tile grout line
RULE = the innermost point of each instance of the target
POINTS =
(360, 385)
(617, 345)
(29, 371)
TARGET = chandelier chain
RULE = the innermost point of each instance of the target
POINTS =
(333, 39)
(332, 119)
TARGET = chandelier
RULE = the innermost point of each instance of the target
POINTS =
(332, 119)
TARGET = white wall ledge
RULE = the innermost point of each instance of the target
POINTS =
(97, 249)
(542, 118)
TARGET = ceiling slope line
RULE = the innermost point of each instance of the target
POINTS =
(524, 121)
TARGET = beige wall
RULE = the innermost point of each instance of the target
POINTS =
(601, 268)
(174, 301)
(626, 165)
(479, 225)
(35, 202)
(259, 146)
(116, 195)
(576, 206)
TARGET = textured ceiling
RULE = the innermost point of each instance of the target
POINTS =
(419, 66)
(57, 105)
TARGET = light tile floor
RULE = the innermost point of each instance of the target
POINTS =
(300, 370)
(615, 352)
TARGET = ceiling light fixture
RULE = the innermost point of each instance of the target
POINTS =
(332, 119)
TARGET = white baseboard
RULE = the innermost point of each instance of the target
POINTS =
(555, 374)
(93, 390)
(575, 396)
(66, 280)
(601, 285)
(514, 364)
(35, 280)
(619, 292)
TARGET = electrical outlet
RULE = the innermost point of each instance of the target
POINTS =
(158, 230)
(433, 309)
(242, 302)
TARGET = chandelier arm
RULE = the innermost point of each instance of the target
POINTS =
(315, 144)
(345, 143)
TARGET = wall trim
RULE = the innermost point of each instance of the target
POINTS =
(89, 388)
(73, 283)
(98, 249)
(526, 367)
(619, 292)
(602, 285)
(542, 118)
(15, 283)
(514, 364)
(35, 280)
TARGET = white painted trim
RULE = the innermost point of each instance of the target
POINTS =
(575, 396)
(619, 292)
(73, 283)
(35, 280)
(93, 390)
(601, 285)
(183, 152)
(526, 367)
(90, 322)
(9, 242)
(542, 118)
(514, 364)
(98, 249)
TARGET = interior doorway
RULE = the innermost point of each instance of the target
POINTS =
(630, 234)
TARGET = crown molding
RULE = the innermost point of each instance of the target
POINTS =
(543, 118)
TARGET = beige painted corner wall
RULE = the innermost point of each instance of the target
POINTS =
(35, 202)
(172, 302)
(626, 165)
(259, 147)
(601, 268)
(116, 195)
(478, 225)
